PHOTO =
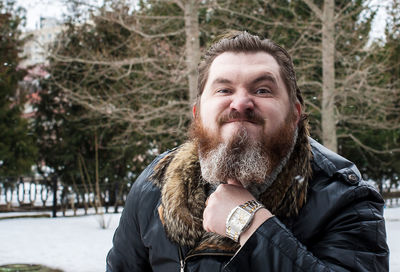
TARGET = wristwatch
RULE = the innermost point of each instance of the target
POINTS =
(240, 217)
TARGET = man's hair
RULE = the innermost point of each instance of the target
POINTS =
(244, 42)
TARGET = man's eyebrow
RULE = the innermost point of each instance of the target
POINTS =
(265, 77)
(221, 80)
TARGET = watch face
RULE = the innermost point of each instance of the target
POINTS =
(240, 217)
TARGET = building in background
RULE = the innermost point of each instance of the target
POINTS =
(35, 57)
(36, 48)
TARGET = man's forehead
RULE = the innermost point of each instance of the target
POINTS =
(228, 64)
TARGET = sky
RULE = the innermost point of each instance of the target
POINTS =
(378, 26)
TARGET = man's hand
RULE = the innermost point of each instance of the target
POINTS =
(220, 204)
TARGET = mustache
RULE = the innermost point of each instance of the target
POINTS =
(249, 116)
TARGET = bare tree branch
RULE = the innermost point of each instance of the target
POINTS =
(317, 11)
(368, 148)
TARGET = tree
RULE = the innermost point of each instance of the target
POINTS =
(146, 58)
(17, 149)
(86, 148)
(377, 150)
(155, 72)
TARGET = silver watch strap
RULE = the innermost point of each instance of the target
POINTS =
(252, 206)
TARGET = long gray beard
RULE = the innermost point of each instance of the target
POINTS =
(250, 167)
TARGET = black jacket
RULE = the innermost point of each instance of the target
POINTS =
(340, 228)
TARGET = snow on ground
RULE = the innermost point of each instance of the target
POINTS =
(392, 216)
(73, 244)
(78, 244)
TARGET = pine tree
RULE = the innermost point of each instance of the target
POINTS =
(17, 149)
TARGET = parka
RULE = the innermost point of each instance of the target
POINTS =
(339, 228)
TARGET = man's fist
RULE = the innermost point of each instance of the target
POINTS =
(220, 204)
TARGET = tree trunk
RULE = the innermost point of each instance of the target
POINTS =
(98, 196)
(191, 8)
(328, 117)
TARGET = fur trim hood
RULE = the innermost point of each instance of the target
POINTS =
(184, 192)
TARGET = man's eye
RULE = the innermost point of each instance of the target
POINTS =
(263, 91)
(223, 91)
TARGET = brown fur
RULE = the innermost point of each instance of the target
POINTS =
(286, 195)
(183, 193)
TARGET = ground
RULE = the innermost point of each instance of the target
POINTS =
(79, 244)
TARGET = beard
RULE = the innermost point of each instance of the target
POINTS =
(255, 162)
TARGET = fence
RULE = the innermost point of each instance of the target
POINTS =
(392, 199)
(29, 194)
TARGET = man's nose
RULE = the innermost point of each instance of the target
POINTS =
(242, 102)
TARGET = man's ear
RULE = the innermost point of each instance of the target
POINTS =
(194, 111)
(298, 111)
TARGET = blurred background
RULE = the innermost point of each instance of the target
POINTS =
(91, 91)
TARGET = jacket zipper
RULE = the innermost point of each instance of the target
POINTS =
(183, 260)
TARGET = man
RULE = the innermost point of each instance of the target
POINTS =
(249, 190)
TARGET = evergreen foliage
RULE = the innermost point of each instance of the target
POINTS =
(17, 149)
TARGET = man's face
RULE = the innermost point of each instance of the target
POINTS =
(245, 126)
(245, 91)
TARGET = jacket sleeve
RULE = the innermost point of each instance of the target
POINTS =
(128, 252)
(353, 240)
